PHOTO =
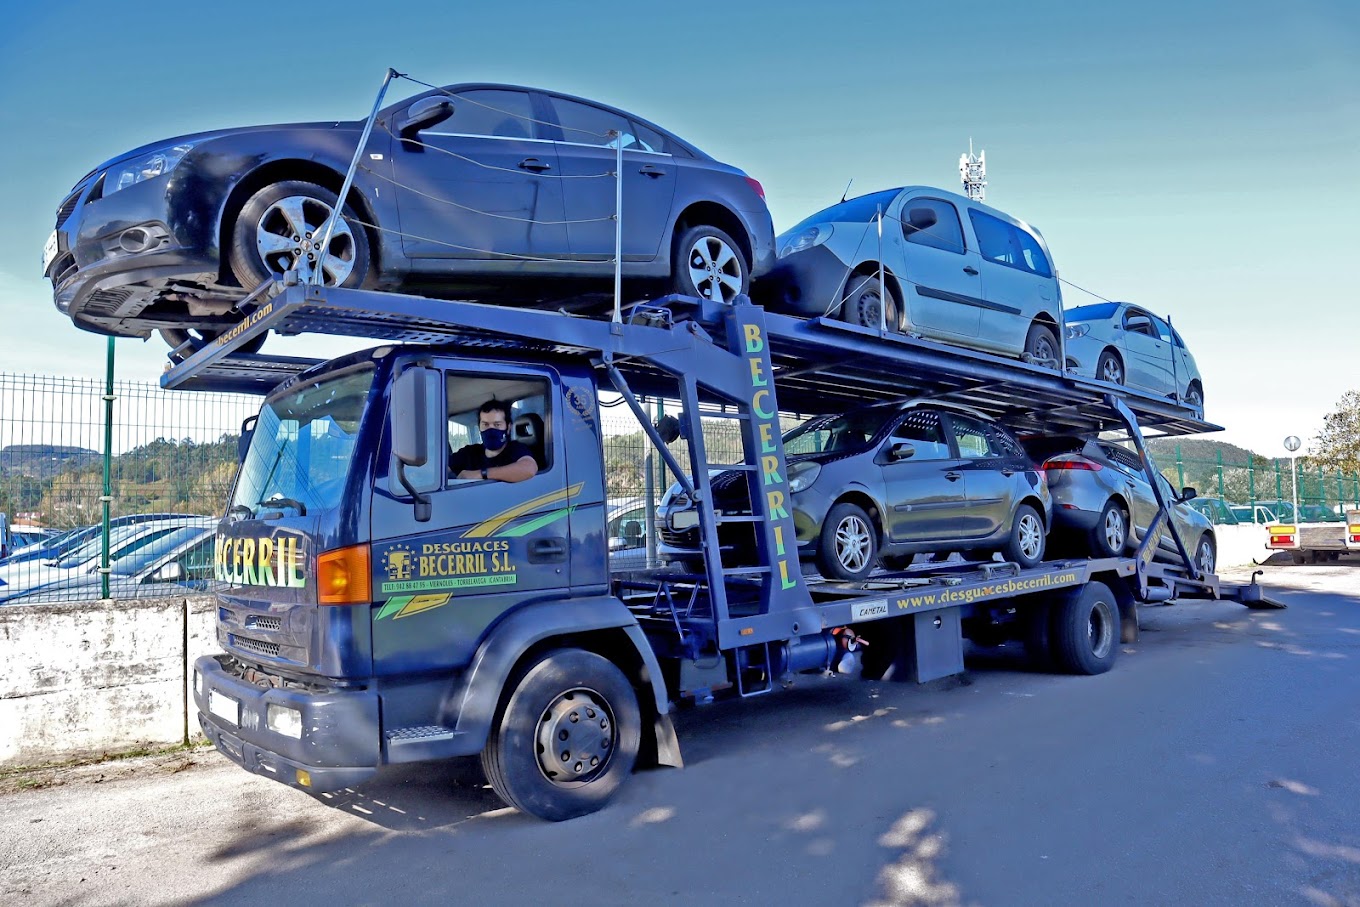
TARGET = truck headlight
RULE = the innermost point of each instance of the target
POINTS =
(802, 475)
(150, 166)
(282, 720)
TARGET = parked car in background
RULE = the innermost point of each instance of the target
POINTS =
(55, 547)
(954, 270)
(886, 483)
(1103, 504)
(177, 561)
(472, 190)
(1215, 510)
(1125, 344)
(626, 533)
(86, 558)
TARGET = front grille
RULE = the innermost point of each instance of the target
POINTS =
(260, 622)
(68, 206)
(258, 646)
(685, 538)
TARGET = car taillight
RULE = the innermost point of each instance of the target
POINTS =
(1072, 463)
(755, 184)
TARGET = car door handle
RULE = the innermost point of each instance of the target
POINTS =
(969, 269)
(652, 171)
(1008, 472)
(543, 551)
(953, 476)
(534, 164)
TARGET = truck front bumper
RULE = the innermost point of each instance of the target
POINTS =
(338, 742)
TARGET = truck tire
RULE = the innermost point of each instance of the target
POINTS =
(1110, 534)
(1085, 629)
(1026, 543)
(280, 228)
(709, 264)
(848, 547)
(566, 738)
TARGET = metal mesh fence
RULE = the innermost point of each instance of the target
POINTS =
(1259, 489)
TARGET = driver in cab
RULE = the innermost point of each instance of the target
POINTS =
(497, 457)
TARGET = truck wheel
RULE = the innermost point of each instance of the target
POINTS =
(848, 547)
(280, 228)
(1026, 543)
(1111, 532)
(1041, 345)
(862, 301)
(566, 738)
(709, 264)
(1085, 631)
(1109, 367)
(1298, 557)
(1206, 553)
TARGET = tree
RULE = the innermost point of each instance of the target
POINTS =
(1337, 446)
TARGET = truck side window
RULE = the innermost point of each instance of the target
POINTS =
(527, 418)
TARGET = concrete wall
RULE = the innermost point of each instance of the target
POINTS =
(82, 678)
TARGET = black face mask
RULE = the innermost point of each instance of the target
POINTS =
(494, 438)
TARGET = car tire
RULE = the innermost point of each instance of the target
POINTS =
(707, 259)
(860, 303)
(1085, 632)
(1110, 535)
(276, 227)
(1041, 344)
(848, 547)
(896, 561)
(1206, 553)
(1109, 367)
(575, 702)
(1025, 546)
(1194, 397)
(198, 338)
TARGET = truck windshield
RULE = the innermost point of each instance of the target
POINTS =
(304, 441)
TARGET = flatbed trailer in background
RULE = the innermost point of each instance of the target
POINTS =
(320, 688)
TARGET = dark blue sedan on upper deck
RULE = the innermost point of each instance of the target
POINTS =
(459, 191)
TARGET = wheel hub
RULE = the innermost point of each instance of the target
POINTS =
(576, 737)
(852, 544)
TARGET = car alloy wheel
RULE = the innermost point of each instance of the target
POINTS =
(289, 235)
(715, 269)
(854, 543)
(1110, 369)
(1115, 531)
(1030, 530)
(1205, 556)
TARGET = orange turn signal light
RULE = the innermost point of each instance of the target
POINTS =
(343, 576)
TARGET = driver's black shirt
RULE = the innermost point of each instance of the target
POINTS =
(474, 457)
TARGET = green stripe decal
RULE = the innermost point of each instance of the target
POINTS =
(394, 605)
(538, 523)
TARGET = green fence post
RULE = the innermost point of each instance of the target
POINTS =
(107, 498)
(1180, 467)
(1220, 473)
(1279, 486)
(1251, 481)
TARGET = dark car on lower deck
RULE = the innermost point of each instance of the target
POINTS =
(884, 483)
(496, 192)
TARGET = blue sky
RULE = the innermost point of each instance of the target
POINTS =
(1198, 158)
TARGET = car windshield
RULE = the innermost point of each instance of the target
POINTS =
(1096, 311)
(849, 433)
(855, 211)
(135, 561)
(303, 444)
(122, 539)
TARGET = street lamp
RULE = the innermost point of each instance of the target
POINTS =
(1292, 444)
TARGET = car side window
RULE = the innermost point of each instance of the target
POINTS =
(1008, 244)
(1161, 329)
(493, 112)
(945, 234)
(585, 125)
(971, 436)
(923, 430)
(1005, 445)
(1138, 323)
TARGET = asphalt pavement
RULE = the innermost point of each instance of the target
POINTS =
(1218, 763)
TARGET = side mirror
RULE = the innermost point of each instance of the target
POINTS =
(617, 543)
(901, 450)
(1188, 493)
(247, 433)
(172, 572)
(423, 114)
(410, 440)
(919, 219)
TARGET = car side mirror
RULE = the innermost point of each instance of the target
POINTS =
(172, 572)
(423, 114)
(410, 440)
(901, 450)
(617, 543)
(1188, 493)
(919, 219)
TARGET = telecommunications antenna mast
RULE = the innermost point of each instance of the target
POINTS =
(973, 172)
